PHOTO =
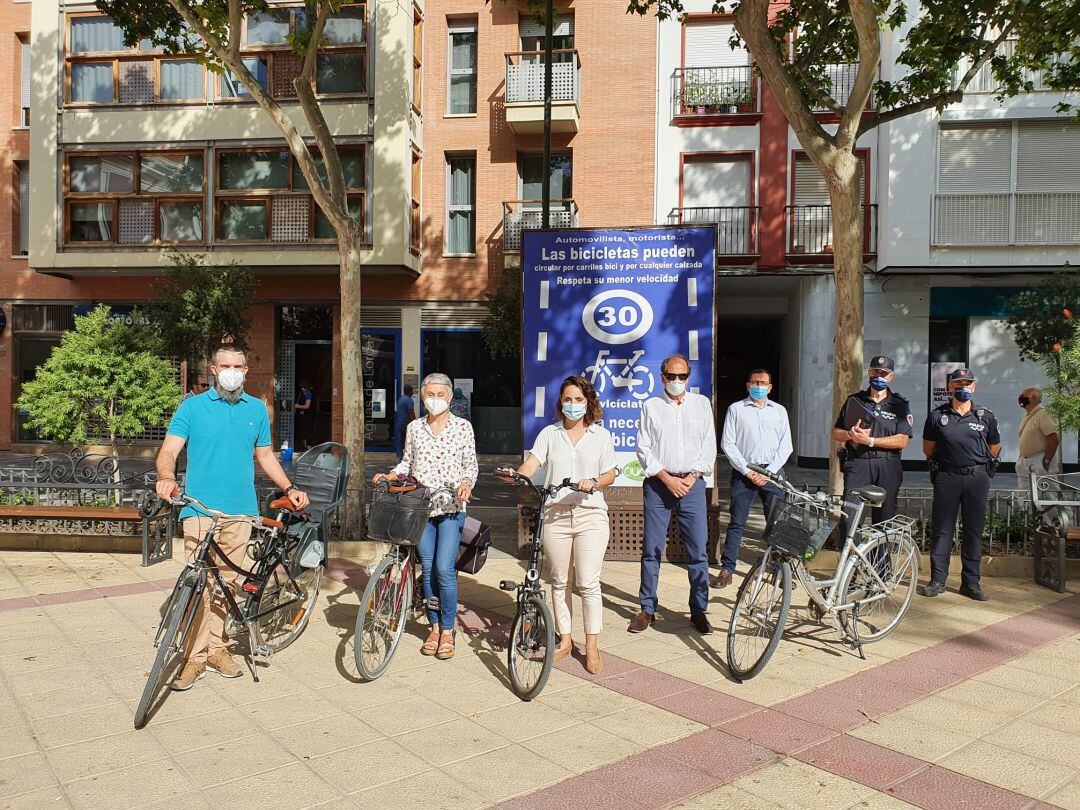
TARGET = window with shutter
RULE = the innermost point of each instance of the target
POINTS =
(974, 184)
(718, 191)
(24, 81)
(810, 216)
(809, 185)
(1047, 183)
(706, 44)
(22, 242)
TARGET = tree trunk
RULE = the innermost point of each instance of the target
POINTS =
(841, 172)
(352, 382)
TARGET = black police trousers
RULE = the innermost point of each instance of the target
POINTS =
(964, 495)
(887, 473)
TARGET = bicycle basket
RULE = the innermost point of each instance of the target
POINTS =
(398, 517)
(799, 528)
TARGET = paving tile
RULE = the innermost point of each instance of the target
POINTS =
(1043, 742)
(705, 706)
(1028, 682)
(1047, 664)
(355, 696)
(832, 711)
(880, 801)
(587, 701)
(727, 797)
(777, 731)
(644, 684)
(1059, 715)
(871, 696)
(908, 736)
(941, 789)
(324, 736)
(519, 771)
(522, 721)
(762, 690)
(790, 783)
(210, 729)
(572, 794)
(286, 710)
(16, 740)
(477, 697)
(647, 725)
(50, 798)
(406, 715)
(130, 787)
(1015, 771)
(582, 747)
(367, 765)
(287, 787)
(652, 779)
(959, 718)
(430, 790)
(90, 757)
(1067, 796)
(223, 762)
(448, 742)
(23, 773)
(188, 801)
(720, 754)
(1002, 699)
(860, 761)
(922, 680)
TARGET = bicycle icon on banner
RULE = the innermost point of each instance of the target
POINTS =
(635, 377)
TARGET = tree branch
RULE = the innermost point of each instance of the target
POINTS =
(865, 21)
(752, 23)
(943, 99)
(235, 65)
(236, 24)
(826, 101)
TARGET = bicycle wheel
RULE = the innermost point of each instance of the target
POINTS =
(758, 616)
(284, 607)
(184, 601)
(531, 650)
(384, 609)
(896, 562)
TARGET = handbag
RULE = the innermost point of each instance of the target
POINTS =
(473, 549)
(398, 517)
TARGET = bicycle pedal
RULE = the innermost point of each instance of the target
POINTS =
(262, 655)
(507, 585)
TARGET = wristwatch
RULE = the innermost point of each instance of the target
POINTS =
(697, 475)
(871, 442)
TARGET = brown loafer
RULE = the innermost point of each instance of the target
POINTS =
(701, 624)
(641, 621)
(722, 579)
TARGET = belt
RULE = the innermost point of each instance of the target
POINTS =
(961, 470)
(876, 454)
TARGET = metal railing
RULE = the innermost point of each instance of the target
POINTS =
(1004, 218)
(841, 78)
(525, 215)
(1009, 526)
(525, 76)
(705, 91)
(810, 229)
(737, 226)
(984, 81)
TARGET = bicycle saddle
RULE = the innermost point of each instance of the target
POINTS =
(871, 494)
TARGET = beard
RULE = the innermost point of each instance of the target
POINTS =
(232, 397)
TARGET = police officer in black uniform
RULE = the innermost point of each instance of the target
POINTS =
(962, 442)
(875, 426)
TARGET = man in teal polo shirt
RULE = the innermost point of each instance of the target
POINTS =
(226, 431)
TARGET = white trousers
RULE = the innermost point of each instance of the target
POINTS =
(1024, 467)
(580, 534)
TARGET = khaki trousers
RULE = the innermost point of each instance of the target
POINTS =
(1024, 467)
(207, 636)
(580, 533)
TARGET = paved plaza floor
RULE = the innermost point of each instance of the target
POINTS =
(965, 706)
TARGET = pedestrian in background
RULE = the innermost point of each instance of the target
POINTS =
(756, 431)
(875, 426)
(962, 442)
(404, 412)
(676, 446)
(1039, 439)
(459, 405)
(576, 525)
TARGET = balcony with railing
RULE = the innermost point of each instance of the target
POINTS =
(737, 226)
(1006, 218)
(528, 215)
(731, 94)
(984, 82)
(524, 93)
(841, 79)
(810, 231)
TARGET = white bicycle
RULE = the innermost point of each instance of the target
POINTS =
(636, 377)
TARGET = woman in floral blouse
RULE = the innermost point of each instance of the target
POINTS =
(440, 452)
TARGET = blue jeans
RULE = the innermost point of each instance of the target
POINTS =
(742, 497)
(438, 549)
(692, 514)
(399, 439)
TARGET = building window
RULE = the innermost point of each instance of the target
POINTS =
(20, 218)
(24, 81)
(414, 219)
(718, 189)
(262, 196)
(1008, 184)
(461, 52)
(417, 59)
(531, 31)
(810, 213)
(460, 205)
(531, 179)
(139, 198)
(713, 79)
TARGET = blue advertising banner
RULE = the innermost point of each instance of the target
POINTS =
(611, 304)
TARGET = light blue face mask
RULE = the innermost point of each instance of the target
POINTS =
(574, 410)
(759, 392)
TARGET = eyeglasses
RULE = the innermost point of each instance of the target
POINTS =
(682, 377)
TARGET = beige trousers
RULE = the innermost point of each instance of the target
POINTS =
(207, 636)
(579, 533)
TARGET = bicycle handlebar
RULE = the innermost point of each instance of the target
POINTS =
(820, 498)
(183, 499)
(544, 492)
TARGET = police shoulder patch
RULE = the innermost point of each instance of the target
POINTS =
(910, 419)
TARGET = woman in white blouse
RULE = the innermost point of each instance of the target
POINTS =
(440, 451)
(576, 523)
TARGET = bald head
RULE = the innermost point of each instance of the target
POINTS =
(1030, 398)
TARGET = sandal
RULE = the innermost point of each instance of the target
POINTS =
(431, 643)
(446, 648)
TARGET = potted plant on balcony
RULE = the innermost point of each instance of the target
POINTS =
(693, 96)
(736, 98)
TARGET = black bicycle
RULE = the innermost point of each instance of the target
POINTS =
(530, 651)
(279, 592)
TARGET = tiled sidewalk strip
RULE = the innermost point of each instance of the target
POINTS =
(85, 594)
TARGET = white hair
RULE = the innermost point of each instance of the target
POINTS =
(437, 379)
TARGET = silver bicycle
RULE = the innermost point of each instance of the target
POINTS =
(865, 598)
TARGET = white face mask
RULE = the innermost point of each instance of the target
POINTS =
(230, 379)
(675, 388)
(435, 406)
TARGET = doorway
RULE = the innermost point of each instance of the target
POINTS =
(743, 344)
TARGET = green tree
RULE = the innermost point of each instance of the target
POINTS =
(1062, 366)
(793, 46)
(101, 381)
(197, 307)
(211, 33)
(1035, 314)
(502, 331)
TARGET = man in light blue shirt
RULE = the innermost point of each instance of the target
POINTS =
(756, 431)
